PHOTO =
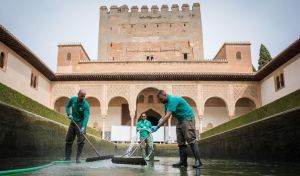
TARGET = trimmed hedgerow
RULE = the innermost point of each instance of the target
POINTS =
(14, 98)
(287, 102)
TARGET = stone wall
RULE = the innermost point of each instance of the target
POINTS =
(157, 34)
(23, 134)
(274, 138)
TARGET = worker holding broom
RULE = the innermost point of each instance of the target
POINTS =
(79, 118)
(144, 127)
(178, 108)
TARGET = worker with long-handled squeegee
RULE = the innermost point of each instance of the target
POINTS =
(144, 127)
(79, 116)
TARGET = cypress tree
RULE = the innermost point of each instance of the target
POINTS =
(264, 56)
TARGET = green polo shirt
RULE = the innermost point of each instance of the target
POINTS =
(180, 109)
(145, 125)
(80, 111)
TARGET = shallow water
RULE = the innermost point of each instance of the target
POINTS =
(163, 167)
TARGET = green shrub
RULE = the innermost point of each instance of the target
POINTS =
(287, 102)
(14, 98)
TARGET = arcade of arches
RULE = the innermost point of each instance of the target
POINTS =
(124, 107)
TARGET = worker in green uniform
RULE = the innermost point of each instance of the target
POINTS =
(144, 127)
(80, 115)
(178, 108)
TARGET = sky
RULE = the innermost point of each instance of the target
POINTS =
(43, 24)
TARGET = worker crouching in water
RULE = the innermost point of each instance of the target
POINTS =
(144, 127)
(79, 115)
(178, 108)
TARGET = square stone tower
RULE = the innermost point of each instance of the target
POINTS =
(150, 34)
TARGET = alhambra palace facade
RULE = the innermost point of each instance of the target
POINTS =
(141, 51)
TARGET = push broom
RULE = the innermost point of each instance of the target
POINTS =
(129, 159)
(98, 157)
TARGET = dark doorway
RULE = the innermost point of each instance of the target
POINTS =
(153, 116)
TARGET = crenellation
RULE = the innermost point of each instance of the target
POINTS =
(154, 9)
(134, 9)
(196, 7)
(103, 9)
(144, 9)
(185, 7)
(124, 8)
(164, 8)
(114, 9)
(175, 8)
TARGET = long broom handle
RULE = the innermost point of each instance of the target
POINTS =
(86, 138)
(136, 147)
(140, 143)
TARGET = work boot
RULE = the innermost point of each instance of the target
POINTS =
(196, 153)
(68, 151)
(183, 157)
(79, 150)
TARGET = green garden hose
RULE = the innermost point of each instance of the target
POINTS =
(32, 169)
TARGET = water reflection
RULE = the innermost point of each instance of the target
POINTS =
(164, 167)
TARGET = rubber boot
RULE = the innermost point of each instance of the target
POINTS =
(183, 157)
(68, 151)
(79, 150)
(196, 153)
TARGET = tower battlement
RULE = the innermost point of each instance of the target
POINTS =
(153, 9)
(150, 33)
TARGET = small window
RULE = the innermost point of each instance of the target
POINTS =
(33, 81)
(148, 58)
(141, 99)
(170, 25)
(152, 58)
(185, 56)
(69, 56)
(110, 44)
(131, 26)
(111, 28)
(2, 61)
(184, 24)
(157, 25)
(145, 26)
(279, 81)
(238, 55)
(150, 99)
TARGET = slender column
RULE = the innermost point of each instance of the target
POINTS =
(201, 123)
(103, 126)
(169, 130)
(131, 128)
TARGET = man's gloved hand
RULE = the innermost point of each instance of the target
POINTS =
(154, 129)
(82, 131)
(70, 116)
(139, 129)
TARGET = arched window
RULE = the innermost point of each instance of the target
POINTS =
(2, 57)
(141, 99)
(150, 99)
(69, 56)
(238, 55)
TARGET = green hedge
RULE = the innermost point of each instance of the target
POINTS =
(287, 102)
(14, 98)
